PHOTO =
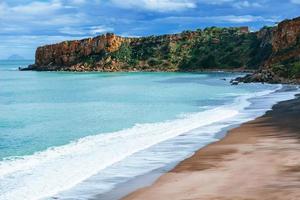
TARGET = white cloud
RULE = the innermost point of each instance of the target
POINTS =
(246, 4)
(33, 10)
(94, 30)
(85, 31)
(156, 5)
(39, 14)
(242, 19)
(71, 31)
(234, 3)
(216, 2)
(235, 19)
(37, 7)
(78, 1)
(295, 1)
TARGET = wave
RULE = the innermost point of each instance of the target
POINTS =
(57, 169)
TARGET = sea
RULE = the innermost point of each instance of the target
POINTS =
(68, 135)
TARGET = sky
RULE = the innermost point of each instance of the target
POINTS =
(27, 24)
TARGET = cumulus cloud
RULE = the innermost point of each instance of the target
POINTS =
(30, 11)
(156, 5)
(33, 9)
(42, 22)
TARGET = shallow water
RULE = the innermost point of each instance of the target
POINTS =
(57, 129)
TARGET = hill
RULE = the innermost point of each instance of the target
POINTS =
(15, 57)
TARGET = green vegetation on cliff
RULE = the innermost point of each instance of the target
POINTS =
(276, 49)
(192, 50)
(225, 49)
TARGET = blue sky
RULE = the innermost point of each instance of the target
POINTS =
(27, 24)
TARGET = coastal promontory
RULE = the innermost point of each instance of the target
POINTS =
(274, 52)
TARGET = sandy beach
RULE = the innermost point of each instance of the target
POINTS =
(260, 160)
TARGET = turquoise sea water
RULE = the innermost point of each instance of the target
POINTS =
(52, 122)
(41, 109)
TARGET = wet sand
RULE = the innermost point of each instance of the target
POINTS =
(260, 160)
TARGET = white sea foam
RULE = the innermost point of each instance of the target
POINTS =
(57, 169)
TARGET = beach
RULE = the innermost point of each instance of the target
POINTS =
(258, 160)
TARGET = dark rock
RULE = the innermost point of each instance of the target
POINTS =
(234, 82)
(29, 68)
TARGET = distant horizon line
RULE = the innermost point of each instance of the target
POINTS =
(16, 59)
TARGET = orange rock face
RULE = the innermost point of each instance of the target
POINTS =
(72, 55)
(68, 53)
(286, 34)
(285, 42)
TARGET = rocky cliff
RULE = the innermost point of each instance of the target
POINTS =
(190, 50)
(77, 55)
(275, 48)
(283, 64)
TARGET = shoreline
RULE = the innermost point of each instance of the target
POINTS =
(245, 164)
(249, 75)
(232, 70)
(145, 180)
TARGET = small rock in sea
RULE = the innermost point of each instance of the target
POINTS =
(234, 83)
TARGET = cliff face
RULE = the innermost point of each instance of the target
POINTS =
(285, 42)
(222, 48)
(283, 64)
(190, 50)
(286, 34)
(67, 55)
